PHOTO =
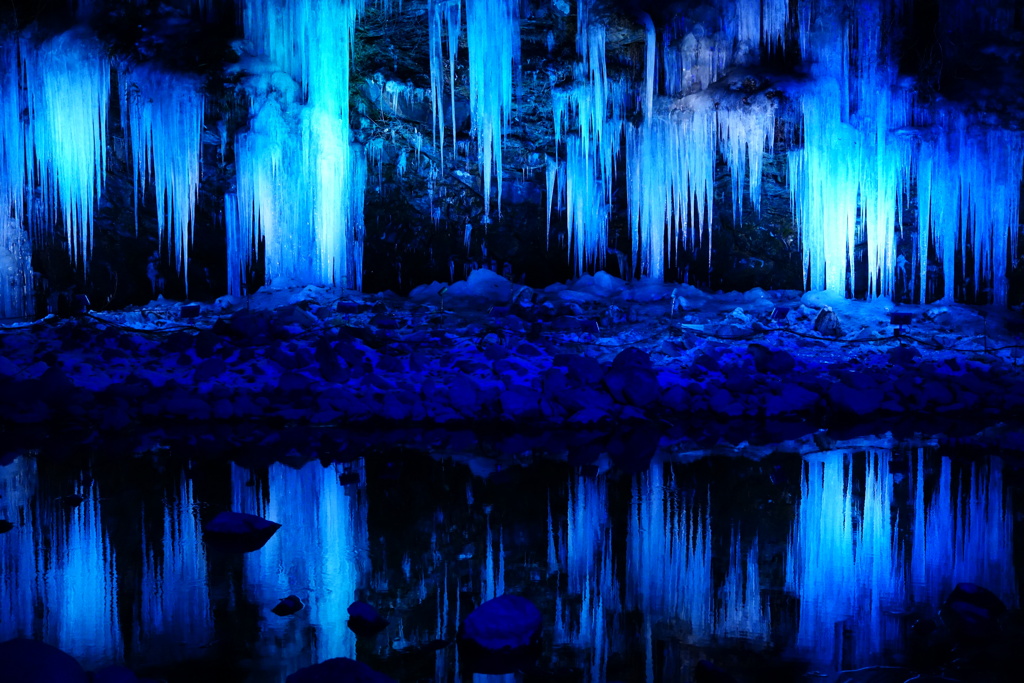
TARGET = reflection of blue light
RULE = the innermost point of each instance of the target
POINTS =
(73, 578)
(175, 600)
(668, 564)
(964, 533)
(80, 581)
(319, 554)
(17, 548)
(843, 568)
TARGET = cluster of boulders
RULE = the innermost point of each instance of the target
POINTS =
(349, 363)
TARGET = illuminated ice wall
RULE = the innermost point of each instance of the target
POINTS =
(883, 182)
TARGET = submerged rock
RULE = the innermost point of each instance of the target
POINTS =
(239, 532)
(501, 635)
(288, 606)
(337, 670)
(364, 620)
(31, 661)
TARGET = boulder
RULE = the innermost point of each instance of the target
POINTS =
(31, 661)
(501, 635)
(338, 670)
(238, 532)
(364, 620)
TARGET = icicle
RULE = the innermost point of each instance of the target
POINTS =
(492, 36)
(551, 179)
(67, 104)
(844, 572)
(164, 112)
(445, 17)
(15, 244)
(963, 533)
(300, 178)
(670, 181)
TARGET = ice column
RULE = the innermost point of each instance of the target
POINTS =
(15, 245)
(164, 113)
(300, 177)
(964, 532)
(492, 36)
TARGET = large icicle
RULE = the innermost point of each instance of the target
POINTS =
(15, 245)
(164, 112)
(671, 165)
(300, 177)
(67, 104)
(492, 36)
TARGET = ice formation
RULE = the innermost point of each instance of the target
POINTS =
(67, 132)
(300, 176)
(866, 159)
(492, 36)
(843, 558)
(164, 113)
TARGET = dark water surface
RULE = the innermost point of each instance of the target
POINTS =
(789, 565)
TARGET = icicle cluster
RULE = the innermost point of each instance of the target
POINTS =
(67, 106)
(15, 249)
(164, 113)
(300, 177)
(492, 36)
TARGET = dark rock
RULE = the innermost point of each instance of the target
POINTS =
(288, 606)
(827, 323)
(338, 670)
(632, 358)
(776, 362)
(857, 401)
(875, 674)
(364, 620)
(5, 526)
(209, 369)
(189, 311)
(501, 635)
(632, 384)
(972, 612)
(903, 355)
(706, 672)
(30, 661)
(580, 369)
(239, 532)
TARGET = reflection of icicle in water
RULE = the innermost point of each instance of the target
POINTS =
(740, 613)
(668, 556)
(319, 555)
(964, 533)
(80, 581)
(844, 573)
(583, 613)
(18, 481)
(175, 599)
(493, 578)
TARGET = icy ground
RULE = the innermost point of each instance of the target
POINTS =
(594, 352)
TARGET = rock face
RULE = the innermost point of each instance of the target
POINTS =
(30, 661)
